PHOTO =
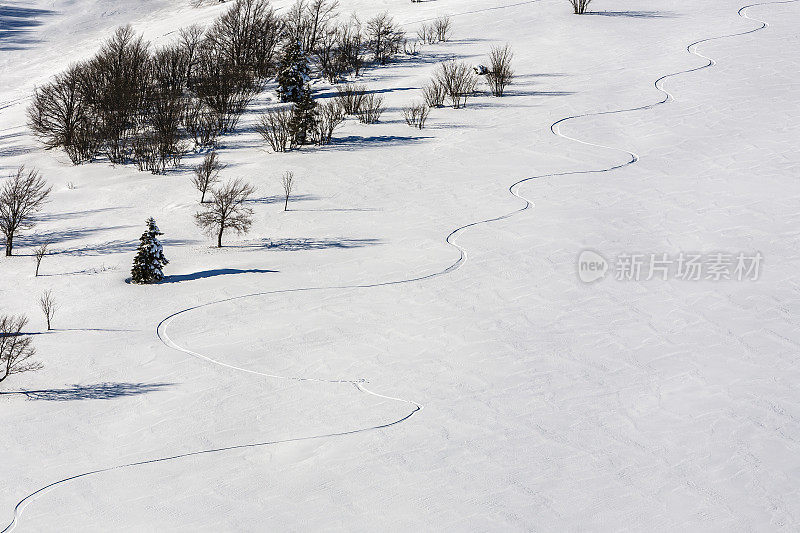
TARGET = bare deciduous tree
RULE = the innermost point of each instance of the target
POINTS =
(227, 211)
(386, 38)
(500, 72)
(206, 174)
(58, 112)
(48, 305)
(287, 180)
(39, 254)
(16, 348)
(580, 6)
(20, 198)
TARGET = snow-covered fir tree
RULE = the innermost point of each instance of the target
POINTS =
(149, 260)
(304, 118)
(293, 73)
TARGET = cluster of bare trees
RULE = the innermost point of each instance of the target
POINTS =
(437, 31)
(133, 103)
(130, 103)
(16, 346)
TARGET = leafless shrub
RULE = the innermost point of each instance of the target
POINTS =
(416, 115)
(16, 347)
(458, 80)
(579, 6)
(427, 34)
(330, 116)
(385, 38)
(371, 109)
(206, 174)
(48, 305)
(38, 253)
(500, 73)
(434, 94)
(22, 195)
(227, 211)
(351, 97)
(410, 48)
(443, 26)
(275, 126)
(287, 181)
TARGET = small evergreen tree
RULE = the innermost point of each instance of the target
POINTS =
(150, 257)
(293, 73)
(304, 118)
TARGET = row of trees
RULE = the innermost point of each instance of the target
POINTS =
(131, 103)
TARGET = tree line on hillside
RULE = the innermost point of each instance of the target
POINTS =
(134, 103)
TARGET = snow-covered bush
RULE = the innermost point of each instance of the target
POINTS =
(303, 124)
(293, 73)
(149, 260)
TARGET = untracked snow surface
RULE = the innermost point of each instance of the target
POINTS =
(348, 366)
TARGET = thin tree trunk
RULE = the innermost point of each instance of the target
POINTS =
(219, 238)
(286, 204)
(9, 245)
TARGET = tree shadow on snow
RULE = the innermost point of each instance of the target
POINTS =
(15, 22)
(97, 391)
(177, 278)
(309, 244)
(634, 14)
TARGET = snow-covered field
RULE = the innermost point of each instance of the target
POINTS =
(229, 398)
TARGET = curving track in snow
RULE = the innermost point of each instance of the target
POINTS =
(359, 384)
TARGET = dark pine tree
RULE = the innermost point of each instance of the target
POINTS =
(293, 73)
(149, 260)
(304, 118)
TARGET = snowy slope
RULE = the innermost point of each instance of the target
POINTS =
(548, 404)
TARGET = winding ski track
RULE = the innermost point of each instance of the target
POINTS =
(359, 384)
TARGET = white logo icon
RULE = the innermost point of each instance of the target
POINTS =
(591, 266)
